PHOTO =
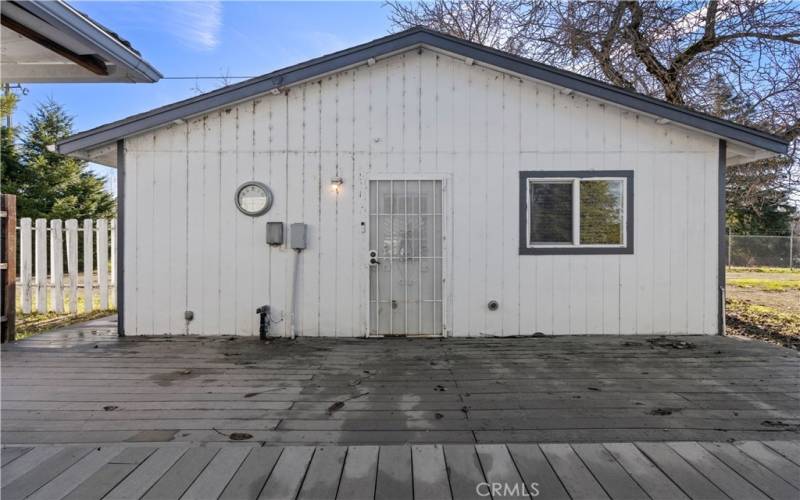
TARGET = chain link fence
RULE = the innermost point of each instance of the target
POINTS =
(770, 251)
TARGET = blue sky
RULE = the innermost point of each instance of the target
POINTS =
(206, 39)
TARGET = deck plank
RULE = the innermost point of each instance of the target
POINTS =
(534, 468)
(287, 475)
(196, 391)
(11, 453)
(429, 472)
(43, 473)
(247, 482)
(324, 472)
(180, 476)
(577, 479)
(608, 472)
(515, 390)
(359, 473)
(788, 449)
(145, 476)
(101, 482)
(499, 468)
(772, 460)
(109, 475)
(394, 481)
(68, 480)
(645, 473)
(726, 479)
(464, 470)
(17, 468)
(694, 484)
(214, 478)
(769, 483)
(747, 470)
(132, 455)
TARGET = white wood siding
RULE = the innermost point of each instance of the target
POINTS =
(188, 248)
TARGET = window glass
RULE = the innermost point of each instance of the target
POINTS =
(550, 212)
(601, 220)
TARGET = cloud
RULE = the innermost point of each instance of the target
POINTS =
(196, 24)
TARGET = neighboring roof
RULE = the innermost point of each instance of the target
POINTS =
(51, 42)
(405, 40)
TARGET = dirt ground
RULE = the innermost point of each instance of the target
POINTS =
(764, 303)
(748, 286)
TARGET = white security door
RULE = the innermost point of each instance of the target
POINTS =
(405, 279)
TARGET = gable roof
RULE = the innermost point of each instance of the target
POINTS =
(405, 40)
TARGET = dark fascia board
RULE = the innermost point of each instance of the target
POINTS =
(722, 240)
(405, 40)
(60, 15)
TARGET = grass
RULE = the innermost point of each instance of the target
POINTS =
(766, 284)
(770, 270)
(38, 322)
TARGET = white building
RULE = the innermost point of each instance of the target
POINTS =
(499, 196)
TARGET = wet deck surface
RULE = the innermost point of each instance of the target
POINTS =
(84, 385)
(87, 415)
(676, 470)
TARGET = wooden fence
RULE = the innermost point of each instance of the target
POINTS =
(89, 267)
(8, 266)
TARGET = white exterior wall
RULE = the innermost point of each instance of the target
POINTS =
(187, 247)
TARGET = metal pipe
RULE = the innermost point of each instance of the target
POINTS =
(292, 300)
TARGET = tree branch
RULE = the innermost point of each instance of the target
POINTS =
(643, 51)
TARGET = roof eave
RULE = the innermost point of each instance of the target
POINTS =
(61, 15)
(619, 96)
(408, 40)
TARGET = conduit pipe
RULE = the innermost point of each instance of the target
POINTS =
(292, 299)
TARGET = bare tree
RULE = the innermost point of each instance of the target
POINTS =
(674, 49)
(668, 49)
(488, 22)
(683, 51)
(222, 81)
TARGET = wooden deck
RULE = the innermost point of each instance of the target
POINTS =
(84, 385)
(747, 470)
(87, 415)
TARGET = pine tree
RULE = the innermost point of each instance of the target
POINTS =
(758, 193)
(49, 184)
(10, 166)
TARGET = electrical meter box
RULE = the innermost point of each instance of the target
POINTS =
(297, 236)
(274, 233)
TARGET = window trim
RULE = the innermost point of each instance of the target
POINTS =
(526, 178)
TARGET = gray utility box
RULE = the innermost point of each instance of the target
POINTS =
(297, 236)
(274, 233)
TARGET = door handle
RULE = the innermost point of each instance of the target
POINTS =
(373, 261)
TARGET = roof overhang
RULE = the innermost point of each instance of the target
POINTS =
(750, 142)
(50, 42)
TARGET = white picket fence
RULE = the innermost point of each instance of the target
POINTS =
(37, 280)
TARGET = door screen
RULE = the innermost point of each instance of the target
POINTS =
(405, 279)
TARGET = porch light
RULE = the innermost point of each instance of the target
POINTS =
(336, 183)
